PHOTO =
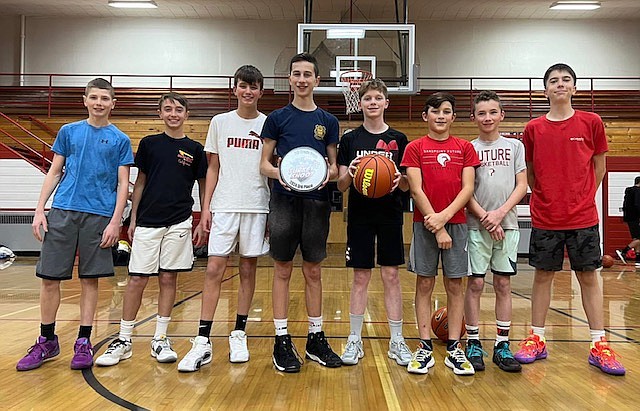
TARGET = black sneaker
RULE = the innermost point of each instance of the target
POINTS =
(475, 354)
(503, 358)
(318, 350)
(285, 357)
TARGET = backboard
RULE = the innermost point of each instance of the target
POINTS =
(385, 50)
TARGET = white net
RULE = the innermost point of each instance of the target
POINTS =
(351, 82)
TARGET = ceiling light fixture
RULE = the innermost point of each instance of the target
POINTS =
(346, 33)
(137, 4)
(575, 5)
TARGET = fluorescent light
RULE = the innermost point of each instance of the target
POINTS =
(575, 5)
(139, 4)
(345, 33)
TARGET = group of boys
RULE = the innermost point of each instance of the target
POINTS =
(444, 174)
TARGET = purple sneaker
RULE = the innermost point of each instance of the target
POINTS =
(83, 357)
(39, 352)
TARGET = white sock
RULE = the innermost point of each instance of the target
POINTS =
(281, 326)
(539, 331)
(596, 334)
(126, 329)
(395, 328)
(356, 321)
(473, 332)
(502, 333)
(315, 324)
(162, 324)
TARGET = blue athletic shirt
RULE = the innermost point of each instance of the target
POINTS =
(92, 157)
(291, 127)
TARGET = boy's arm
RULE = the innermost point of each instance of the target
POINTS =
(111, 234)
(332, 155)
(198, 237)
(600, 167)
(436, 221)
(492, 219)
(266, 168)
(206, 195)
(48, 186)
(531, 177)
(138, 188)
(344, 178)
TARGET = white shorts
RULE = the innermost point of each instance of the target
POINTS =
(245, 229)
(157, 249)
(500, 256)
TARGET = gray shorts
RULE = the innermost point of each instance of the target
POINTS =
(297, 221)
(546, 249)
(425, 254)
(71, 231)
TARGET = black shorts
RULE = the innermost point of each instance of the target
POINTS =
(634, 229)
(297, 221)
(361, 239)
(546, 249)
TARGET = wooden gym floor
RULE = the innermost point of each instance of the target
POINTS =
(564, 381)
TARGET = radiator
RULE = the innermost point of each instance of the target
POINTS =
(525, 235)
(15, 232)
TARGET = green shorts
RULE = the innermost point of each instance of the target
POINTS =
(500, 256)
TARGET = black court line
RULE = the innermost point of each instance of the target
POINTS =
(103, 391)
(573, 317)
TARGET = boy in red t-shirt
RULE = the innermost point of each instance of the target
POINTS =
(441, 172)
(565, 155)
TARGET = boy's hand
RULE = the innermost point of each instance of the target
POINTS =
(198, 235)
(444, 239)
(39, 219)
(110, 235)
(205, 221)
(435, 222)
(282, 183)
(491, 221)
(396, 180)
(131, 230)
(353, 166)
(497, 234)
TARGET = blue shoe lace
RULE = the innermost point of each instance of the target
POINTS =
(475, 351)
(504, 352)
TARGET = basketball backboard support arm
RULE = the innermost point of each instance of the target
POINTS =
(387, 50)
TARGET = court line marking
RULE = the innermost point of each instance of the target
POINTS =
(34, 307)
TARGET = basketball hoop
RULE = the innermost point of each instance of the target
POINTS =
(351, 82)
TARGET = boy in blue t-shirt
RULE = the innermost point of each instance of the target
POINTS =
(90, 168)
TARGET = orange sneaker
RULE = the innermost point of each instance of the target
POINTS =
(603, 357)
(533, 348)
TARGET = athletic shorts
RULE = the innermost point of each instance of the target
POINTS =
(155, 249)
(634, 229)
(70, 232)
(246, 230)
(501, 256)
(546, 249)
(297, 221)
(361, 244)
(424, 254)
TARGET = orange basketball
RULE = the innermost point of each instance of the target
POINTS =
(374, 176)
(440, 324)
(607, 261)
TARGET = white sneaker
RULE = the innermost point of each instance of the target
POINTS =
(399, 351)
(161, 350)
(199, 355)
(621, 257)
(117, 350)
(353, 351)
(238, 351)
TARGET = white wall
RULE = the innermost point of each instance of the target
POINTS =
(215, 47)
(9, 48)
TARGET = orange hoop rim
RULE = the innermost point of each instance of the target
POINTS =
(355, 81)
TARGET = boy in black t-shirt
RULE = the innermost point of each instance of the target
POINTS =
(168, 165)
(371, 219)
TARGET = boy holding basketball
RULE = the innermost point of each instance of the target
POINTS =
(299, 218)
(374, 218)
(236, 203)
(160, 228)
(90, 167)
(500, 183)
(441, 170)
(565, 155)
